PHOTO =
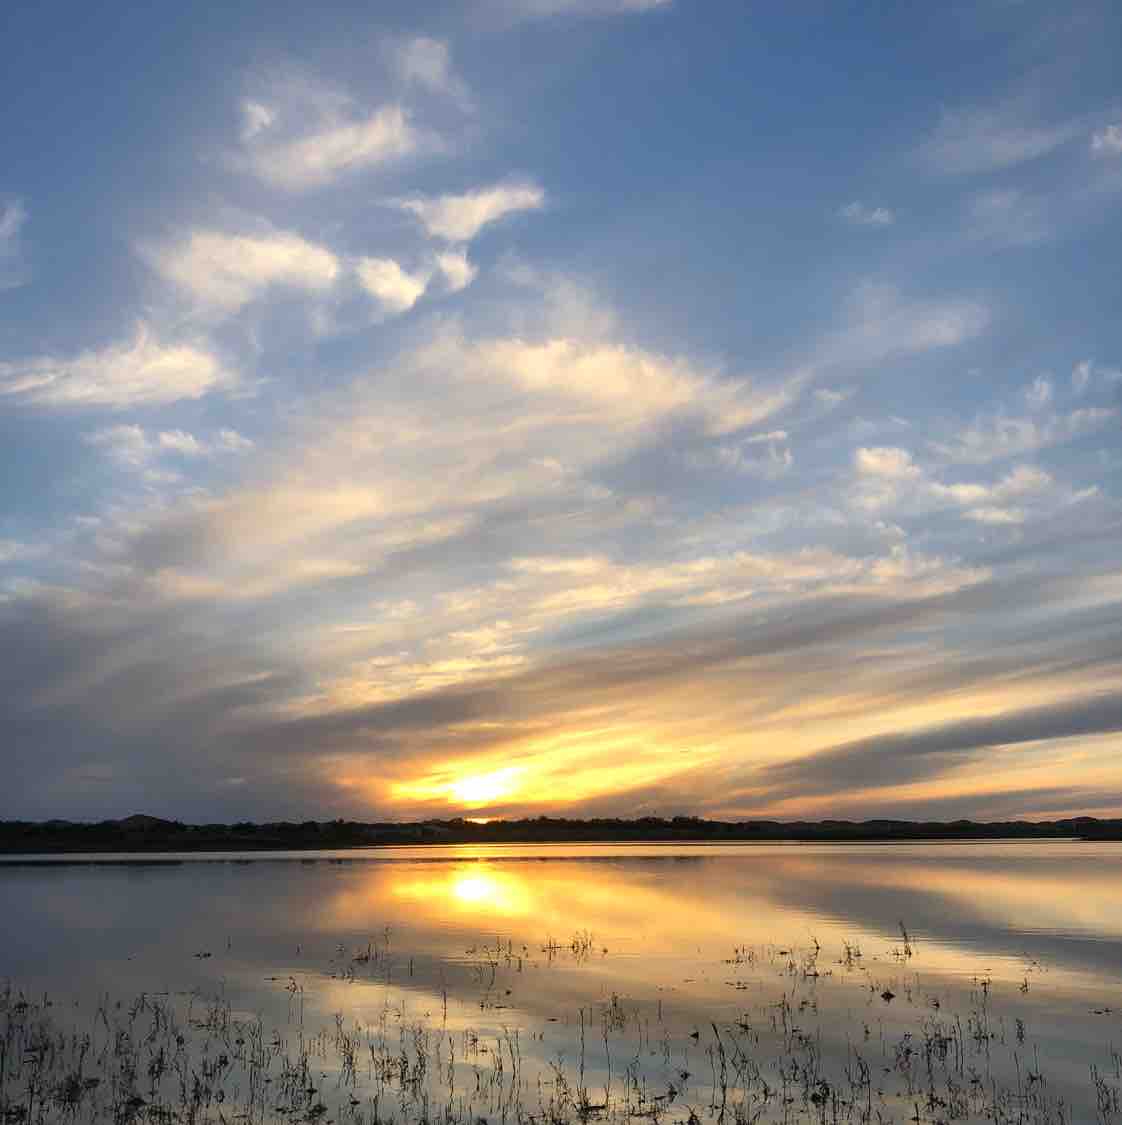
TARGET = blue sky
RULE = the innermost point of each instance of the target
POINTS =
(599, 406)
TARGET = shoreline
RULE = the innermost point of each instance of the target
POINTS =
(142, 835)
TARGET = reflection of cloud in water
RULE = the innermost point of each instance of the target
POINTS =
(974, 907)
(459, 939)
(968, 903)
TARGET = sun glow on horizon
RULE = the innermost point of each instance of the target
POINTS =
(557, 771)
(470, 790)
(482, 789)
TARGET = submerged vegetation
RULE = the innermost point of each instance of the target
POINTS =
(819, 1038)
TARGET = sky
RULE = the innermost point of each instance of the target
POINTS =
(560, 407)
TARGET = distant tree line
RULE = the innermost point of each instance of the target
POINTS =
(151, 834)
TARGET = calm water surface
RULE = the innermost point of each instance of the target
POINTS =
(619, 969)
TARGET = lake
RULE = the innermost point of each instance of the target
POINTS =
(555, 983)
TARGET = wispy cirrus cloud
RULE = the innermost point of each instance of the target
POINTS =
(1107, 142)
(643, 547)
(889, 479)
(1040, 393)
(767, 455)
(13, 270)
(132, 446)
(1088, 375)
(447, 436)
(427, 62)
(301, 131)
(465, 718)
(1009, 217)
(860, 214)
(294, 158)
(141, 373)
(627, 386)
(990, 138)
(880, 322)
(996, 436)
(256, 117)
(900, 758)
(541, 9)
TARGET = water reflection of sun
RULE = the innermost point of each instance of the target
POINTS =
(473, 889)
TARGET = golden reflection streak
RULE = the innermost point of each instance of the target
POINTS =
(538, 901)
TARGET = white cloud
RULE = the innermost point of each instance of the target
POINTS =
(1108, 141)
(256, 118)
(1039, 393)
(459, 218)
(427, 62)
(1081, 376)
(888, 477)
(1008, 217)
(1088, 375)
(131, 446)
(625, 386)
(889, 462)
(395, 290)
(13, 215)
(531, 9)
(232, 441)
(1024, 480)
(457, 271)
(181, 442)
(320, 156)
(424, 452)
(141, 373)
(882, 324)
(861, 215)
(771, 460)
(765, 455)
(128, 445)
(460, 425)
(996, 516)
(224, 272)
(991, 138)
(558, 586)
(887, 474)
(830, 398)
(993, 437)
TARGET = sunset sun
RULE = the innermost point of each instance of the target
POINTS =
(485, 788)
(462, 790)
